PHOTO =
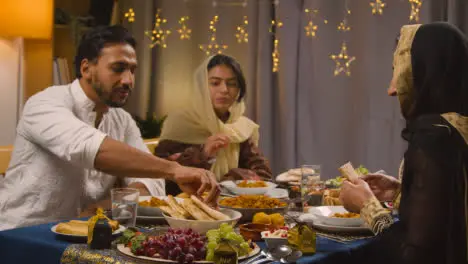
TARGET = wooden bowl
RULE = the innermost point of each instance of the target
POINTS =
(253, 231)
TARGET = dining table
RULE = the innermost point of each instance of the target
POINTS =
(38, 244)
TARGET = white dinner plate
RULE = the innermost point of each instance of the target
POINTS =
(54, 230)
(332, 228)
(232, 187)
(325, 216)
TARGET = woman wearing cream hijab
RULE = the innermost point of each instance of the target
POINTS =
(430, 78)
(211, 131)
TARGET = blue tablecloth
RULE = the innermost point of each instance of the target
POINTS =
(37, 244)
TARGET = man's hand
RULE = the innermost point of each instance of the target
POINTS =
(354, 195)
(197, 181)
(214, 144)
(384, 187)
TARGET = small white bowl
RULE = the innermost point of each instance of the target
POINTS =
(324, 215)
(232, 187)
(202, 226)
(274, 242)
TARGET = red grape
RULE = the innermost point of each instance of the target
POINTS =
(140, 251)
(181, 259)
(192, 250)
(198, 244)
(172, 256)
(181, 241)
(150, 252)
(189, 258)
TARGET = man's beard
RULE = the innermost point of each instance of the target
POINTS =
(106, 98)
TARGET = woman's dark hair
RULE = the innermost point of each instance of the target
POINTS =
(96, 39)
(221, 59)
(439, 57)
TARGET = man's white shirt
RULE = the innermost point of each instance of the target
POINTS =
(51, 173)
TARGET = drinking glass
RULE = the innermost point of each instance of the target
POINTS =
(124, 205)
(311, 186)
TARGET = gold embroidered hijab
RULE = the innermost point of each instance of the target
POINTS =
(198, 121)
(403, 80)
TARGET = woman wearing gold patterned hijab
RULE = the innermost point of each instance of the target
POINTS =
(212, 132)
(430, 79)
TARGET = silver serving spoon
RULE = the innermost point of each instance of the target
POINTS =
(281, 251)
(275, 255)
(291, 258)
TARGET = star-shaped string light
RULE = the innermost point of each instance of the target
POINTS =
(184, 31)
(130, 15)
(274, 24)
(311, 28)
(158, 35)
(415, 8)
(242, 35)
(342, 61)
(213, 47)
(377, 7)
(344, 26)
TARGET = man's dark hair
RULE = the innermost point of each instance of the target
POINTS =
(96, 39)
(221, 59)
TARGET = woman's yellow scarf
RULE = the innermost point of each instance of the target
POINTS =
(198, 121)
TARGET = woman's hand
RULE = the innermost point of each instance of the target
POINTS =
(354, 195)
(384, 187)
(214, 144)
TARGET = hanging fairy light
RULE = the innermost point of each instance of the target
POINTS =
(342, 61)
(130, 15)
(275, 54)
(311, 28)
(415, 8)
(344, 26)
(184, 31)
(158, 35)
(377, 7)
(242, 34)
(213, 47)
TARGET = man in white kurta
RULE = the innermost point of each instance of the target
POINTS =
(58, 177)
(69, 135)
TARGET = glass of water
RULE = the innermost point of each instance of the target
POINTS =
(124, 205)
(311, 186)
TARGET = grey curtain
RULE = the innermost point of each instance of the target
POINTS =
(307, 115)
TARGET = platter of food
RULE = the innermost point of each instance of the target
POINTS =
(195, 214)
(248, 186)
(336, 216)
(79, 228)
(249, 205)
(183, 245)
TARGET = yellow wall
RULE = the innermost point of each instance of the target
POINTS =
(38, 66)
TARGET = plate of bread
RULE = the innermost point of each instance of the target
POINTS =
(79, 228)
(195, 214)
